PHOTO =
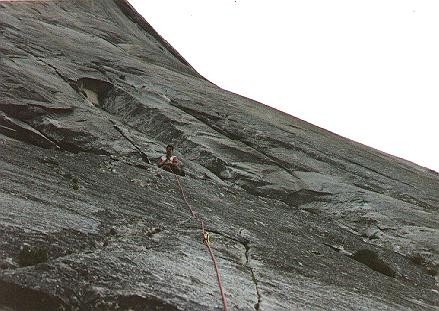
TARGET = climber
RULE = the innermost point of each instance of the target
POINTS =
(170, 162)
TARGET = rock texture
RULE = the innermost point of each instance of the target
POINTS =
(299, 218)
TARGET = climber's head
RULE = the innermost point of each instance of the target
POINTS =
(169, 150)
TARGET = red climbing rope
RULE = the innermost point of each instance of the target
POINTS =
(205, 239)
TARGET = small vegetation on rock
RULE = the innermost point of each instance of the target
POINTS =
(417, 259)
(74, 180)
(434, 270)
(30, 256)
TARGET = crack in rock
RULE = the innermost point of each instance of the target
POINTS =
(23, 131)
(253, 275)
(143, 154)
(246, 244)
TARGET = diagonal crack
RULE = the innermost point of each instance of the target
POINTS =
(24, 131)
(143, 154)
(219, 130)
(56, 70)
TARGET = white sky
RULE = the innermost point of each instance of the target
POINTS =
(367, 70)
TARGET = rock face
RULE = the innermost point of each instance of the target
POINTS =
(299, 218)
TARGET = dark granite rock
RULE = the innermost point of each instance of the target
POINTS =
(91, 95)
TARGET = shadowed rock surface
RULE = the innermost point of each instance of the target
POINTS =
(299, 218)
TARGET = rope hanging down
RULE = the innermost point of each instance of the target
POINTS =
(205, 239)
